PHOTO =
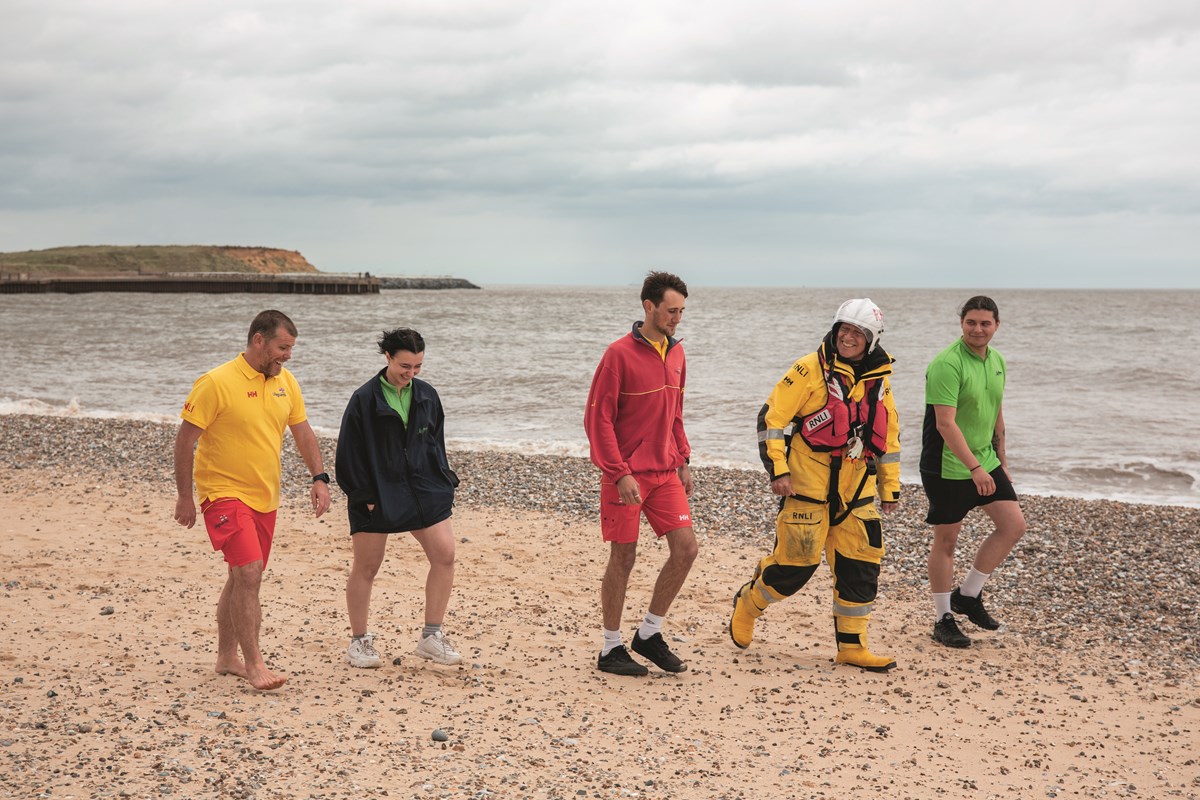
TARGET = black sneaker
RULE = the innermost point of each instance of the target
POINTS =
(973, 608)
(945, 631)
(618, 662)
(655, 648)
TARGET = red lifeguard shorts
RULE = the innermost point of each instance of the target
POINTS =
(664, 502)
(242, 534)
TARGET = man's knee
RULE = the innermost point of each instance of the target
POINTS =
(621, 557)
(247, 576)
(945, 538)
(1009, 521)
(683, 545)
(1017, 529)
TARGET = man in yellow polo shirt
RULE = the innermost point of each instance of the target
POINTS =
(237, 413)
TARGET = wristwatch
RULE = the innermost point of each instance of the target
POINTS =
(321, 476)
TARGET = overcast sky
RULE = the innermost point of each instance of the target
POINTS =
(957, 143)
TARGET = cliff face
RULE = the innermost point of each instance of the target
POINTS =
(151, 260)
(261, 259)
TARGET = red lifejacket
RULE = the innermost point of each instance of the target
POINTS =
(830, 428)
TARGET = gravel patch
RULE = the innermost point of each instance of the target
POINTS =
(1089, 573)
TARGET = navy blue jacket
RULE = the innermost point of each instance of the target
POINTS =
(401, 469)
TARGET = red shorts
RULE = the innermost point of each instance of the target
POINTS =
(242, 534)
(664, 502)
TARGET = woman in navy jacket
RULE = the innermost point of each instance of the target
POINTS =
(391, 462)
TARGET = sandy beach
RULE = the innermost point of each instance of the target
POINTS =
(1090, 689)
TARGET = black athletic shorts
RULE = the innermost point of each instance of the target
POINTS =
(950, 500)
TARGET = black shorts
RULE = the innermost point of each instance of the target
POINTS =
(951, 500)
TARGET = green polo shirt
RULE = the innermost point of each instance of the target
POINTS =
(974, 387)
(400, 400)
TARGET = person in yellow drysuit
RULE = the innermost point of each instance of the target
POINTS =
(842, 449)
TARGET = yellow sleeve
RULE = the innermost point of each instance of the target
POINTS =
(787, 398)
(888, 477)
(203, 402)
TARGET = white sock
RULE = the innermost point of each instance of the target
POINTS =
(941, 604)
(611, 639)
(651, 624)
(972, 585)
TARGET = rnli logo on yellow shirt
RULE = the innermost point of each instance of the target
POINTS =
(188, 407)
(279, 392)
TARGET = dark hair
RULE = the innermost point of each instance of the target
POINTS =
(657, 283)
(980, 303)
(268, 324)
(392, 342)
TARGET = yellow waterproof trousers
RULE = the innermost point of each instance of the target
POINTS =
(853, 549)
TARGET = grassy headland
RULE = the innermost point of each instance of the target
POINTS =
(105, 260)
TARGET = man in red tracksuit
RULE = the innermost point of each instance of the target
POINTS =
(634, 423)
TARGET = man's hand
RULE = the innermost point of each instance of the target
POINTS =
(627, 487)
(319, 494)
(185, 510)
(984, 484)
(685, 477)
(782, 486)
(889, 508)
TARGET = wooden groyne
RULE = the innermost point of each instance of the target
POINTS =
(212, 283)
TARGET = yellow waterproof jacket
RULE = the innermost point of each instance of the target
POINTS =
(803, 391)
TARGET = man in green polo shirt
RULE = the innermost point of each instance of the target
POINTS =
(963, 466)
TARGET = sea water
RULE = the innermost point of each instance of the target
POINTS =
(1097, 402)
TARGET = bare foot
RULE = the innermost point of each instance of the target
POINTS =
(231, 667)
(263, 679)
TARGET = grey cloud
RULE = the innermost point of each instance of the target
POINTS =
(754, 124)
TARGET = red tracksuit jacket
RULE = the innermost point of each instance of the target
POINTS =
(634, 415)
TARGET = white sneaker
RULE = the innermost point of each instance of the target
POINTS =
(437, 648)
(362, 653)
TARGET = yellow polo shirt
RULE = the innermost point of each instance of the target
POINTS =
(243, 414)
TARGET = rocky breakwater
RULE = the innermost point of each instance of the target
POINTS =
(393, 282)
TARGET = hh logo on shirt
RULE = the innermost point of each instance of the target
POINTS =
(252, 394)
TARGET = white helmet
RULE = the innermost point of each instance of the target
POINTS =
(865, 315)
